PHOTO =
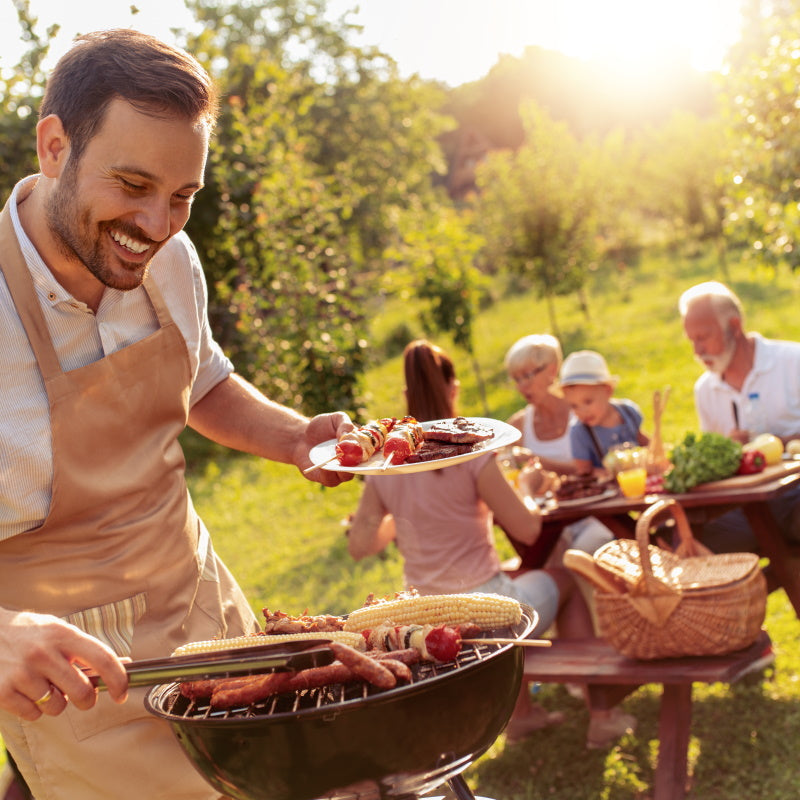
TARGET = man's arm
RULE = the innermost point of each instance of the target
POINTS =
(235, 414)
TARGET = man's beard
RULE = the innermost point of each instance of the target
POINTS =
(719, 363)
(70, 225)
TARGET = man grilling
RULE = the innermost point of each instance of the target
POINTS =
(107, 355)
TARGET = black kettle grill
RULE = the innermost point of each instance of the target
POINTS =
(352, 741)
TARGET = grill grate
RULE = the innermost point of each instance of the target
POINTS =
(172, 704)
(353, 741)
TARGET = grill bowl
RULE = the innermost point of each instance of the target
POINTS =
(403, 741)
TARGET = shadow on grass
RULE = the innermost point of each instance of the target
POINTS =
(743, 744)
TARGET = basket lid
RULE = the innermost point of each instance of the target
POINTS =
(622, 558)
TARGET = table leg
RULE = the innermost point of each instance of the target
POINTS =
(775, 549)
(674, 725)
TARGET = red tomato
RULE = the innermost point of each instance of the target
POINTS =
(443, 643)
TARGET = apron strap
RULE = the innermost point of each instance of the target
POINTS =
(157, 299)
(20, 284)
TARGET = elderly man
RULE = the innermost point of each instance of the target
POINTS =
(739, 365)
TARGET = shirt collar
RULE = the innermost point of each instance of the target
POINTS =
(44, 281)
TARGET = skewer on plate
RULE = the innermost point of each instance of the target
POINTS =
(318, 466)
(521, 642)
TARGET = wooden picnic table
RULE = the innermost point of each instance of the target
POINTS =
(610, 676)
(750, 493)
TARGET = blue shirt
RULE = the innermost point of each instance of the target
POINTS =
(583, 447)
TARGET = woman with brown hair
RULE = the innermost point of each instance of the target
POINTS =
(443, 524)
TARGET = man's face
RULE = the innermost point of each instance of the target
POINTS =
(131, 190)
(713, 344)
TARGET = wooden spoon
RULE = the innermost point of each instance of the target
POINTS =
(655, 451)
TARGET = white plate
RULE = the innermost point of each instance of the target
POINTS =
(504, 435)
(584, 501)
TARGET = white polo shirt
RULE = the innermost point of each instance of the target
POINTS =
(81, 337)
(775, 376)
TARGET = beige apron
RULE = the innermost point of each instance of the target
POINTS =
(122, 554)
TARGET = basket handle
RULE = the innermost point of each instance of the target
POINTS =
(688, 545)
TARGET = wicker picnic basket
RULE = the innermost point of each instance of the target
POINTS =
(678, 604)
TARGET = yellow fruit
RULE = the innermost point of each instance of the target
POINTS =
(768, 444)
(793, 447)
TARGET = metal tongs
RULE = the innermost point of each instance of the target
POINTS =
(260, 658)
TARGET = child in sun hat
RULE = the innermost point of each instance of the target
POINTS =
(602, 421)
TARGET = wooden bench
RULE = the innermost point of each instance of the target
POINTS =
(611, 677)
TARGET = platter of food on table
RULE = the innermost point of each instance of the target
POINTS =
(566, 491)
(769, 473)
(602, 494)
(391, 445)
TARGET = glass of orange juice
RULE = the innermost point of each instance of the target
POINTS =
(633, 481)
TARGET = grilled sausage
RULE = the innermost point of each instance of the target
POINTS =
(231, 692)
(400, 671)
(408, 655)
(362, 665)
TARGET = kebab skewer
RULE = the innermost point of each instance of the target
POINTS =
(406, 438)
(359, 444)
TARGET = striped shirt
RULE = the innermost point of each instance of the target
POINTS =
(81, 337)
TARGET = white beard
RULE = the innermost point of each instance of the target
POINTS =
(719, 363)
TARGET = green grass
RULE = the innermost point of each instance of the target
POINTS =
(283, 538)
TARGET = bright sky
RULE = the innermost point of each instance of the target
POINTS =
(452, 40)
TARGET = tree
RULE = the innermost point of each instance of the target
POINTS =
(319, 145)
(684, 170)
(764, 133)
(438, 251)
(538, 208)
(20, 93)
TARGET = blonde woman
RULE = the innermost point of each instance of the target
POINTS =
(533, 363)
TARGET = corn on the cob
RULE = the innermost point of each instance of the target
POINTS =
(213, 645)
(487, 611)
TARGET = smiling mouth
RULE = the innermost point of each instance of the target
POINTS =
(128, 243)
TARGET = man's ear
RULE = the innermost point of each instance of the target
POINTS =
(52, 146)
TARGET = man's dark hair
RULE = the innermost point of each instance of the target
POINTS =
(154, 77)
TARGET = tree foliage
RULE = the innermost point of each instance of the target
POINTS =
(538, 206)
(318, 142)
(684, 164)
(763, 121)
(20, 92)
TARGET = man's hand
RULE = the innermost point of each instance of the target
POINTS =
(320, 429)
(40, 666)
(739, 435)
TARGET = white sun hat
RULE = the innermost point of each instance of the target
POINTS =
(586, 368)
